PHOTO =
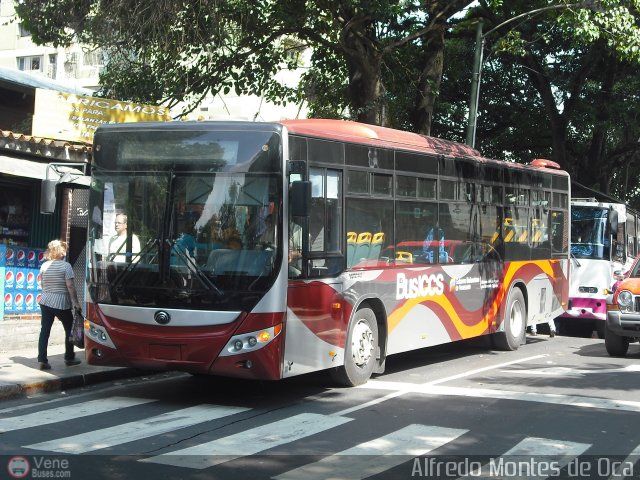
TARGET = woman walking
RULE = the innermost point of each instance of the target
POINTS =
(58, 298)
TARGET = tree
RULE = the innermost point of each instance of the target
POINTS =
(547, 93)
(173, 50)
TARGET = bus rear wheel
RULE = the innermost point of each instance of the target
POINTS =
(515, 321)
(360, 350)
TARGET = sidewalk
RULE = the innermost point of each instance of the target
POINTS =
(20, 374)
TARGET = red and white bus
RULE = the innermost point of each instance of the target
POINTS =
(269, 250)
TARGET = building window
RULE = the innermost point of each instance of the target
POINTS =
(22, 30)
(52, 68)
(30, 64)
(94, 58)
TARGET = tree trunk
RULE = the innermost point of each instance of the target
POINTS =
(367, 102)
(430, 79)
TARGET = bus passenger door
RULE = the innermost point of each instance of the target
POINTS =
(324, 257)
(316, 311)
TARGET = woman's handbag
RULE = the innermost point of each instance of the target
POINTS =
(77, 329)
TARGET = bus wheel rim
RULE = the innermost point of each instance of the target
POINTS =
(516, 319)
(362, 343)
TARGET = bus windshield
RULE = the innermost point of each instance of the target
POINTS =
(589, 236)
(191, 235)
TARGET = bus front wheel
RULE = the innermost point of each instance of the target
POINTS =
(360, 350)
(515, 321)
(616, 345)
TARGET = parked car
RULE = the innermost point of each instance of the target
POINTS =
(623, 312)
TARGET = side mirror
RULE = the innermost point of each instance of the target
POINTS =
(300, 198)
(613, 220)
(48, 196)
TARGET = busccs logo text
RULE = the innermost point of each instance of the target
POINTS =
(421, 286)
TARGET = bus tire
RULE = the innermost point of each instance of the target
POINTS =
(515, 321)
(601, 329)
(616, 345)
(360, 350)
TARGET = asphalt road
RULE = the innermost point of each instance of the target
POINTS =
(555, 408)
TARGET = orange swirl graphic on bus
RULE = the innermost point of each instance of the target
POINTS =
(445, 303)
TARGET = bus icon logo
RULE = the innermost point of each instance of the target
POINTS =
(18, 467)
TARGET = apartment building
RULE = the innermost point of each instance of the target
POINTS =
(75, 66)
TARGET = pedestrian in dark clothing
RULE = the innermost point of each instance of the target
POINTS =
(59, 298)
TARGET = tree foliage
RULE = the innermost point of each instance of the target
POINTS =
(171, 50)
(559, 77)
(550, 91)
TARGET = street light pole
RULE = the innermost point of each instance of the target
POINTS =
(477, 60)
(475, 87)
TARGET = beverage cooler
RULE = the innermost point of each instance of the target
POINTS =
(21, 285)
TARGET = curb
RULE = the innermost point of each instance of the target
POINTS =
(64, 383)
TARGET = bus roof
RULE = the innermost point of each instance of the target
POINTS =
(342, 130)
(376, 135)
(382, 136)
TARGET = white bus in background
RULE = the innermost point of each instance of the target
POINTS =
(603, 244)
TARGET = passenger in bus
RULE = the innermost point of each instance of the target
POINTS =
(118, 242)
(295, 249)
(433, 238)
(186, 242)
(266, 238)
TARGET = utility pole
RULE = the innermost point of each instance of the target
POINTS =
(475, 87)
(472, 120)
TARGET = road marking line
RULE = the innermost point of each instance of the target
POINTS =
(249, 442)
(576, 372)
(484, 369)
(401, 391)
(552, 398)
(76, 396)
(376, 456)
(129, 432)
(532, 458)
(69, 412)
(626, 466)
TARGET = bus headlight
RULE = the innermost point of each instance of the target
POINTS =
(625, 300)
(98, 334)
(250, 341)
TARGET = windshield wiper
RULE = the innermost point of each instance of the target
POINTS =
(575, 259)
(134, 261)
(193, 267)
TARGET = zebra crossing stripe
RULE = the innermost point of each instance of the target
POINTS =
(129, 432)
(249, 442)
(534, 446)
(69, 412)
(623, 471)
(376, 456)
(525, 396)
(532, 458)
